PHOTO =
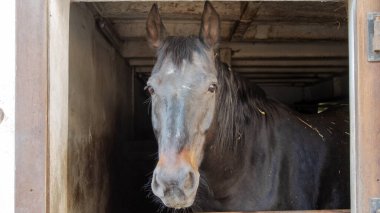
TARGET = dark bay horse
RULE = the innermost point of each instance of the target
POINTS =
(224, 146)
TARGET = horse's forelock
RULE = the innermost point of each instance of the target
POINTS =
(180, 48)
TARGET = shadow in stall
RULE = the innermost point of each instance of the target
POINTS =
(132, 161)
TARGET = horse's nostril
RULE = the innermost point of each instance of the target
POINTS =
(189, 181)
(155, 184)
(154, 181)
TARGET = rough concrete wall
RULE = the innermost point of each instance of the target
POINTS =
(99, 113)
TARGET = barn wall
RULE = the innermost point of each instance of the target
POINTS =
(321, 91)
(285, 94)
(99, 112)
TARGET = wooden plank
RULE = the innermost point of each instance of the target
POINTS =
(288, 49)
(135, 49)
(301, 80)
(331, 11)
(168, 10)
(268, 70)
(141, 61)
(291, 69)
(303, 11)
(31, 136)
(282, 84)
(296, 31)
(109, 33)
(225, 55)
(327, 62)
(246, 18)
(366, 148)
(132, 29)
(272, 70)
(59, 12)
(285, 75)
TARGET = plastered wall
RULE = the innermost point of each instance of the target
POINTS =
(100, 113)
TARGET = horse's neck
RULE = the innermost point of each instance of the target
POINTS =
(224, 167)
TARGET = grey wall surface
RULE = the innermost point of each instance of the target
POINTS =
(100, 112)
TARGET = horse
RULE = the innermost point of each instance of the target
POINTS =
(224, 146)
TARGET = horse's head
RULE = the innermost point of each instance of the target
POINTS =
(182, 87)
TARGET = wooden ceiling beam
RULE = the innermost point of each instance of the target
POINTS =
(286, 75)
(299, 62)
(243, 31)
(245, 20)
(225, 55)
(135, 29)
(168, 9)
(290, 62)
(300, 80)
(283, 84)
(274, 70)
(249, 50)
(291, 70)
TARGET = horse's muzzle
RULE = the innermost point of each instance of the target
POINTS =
(176, 187)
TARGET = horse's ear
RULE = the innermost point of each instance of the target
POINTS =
(155, 29)
(210, 26)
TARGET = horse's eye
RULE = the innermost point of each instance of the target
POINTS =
(149, 89)
(212, 88)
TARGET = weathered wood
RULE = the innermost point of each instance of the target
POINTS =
(367, 143)
(279, 85)
(31, 105)
(225, 55)
(303, 12)
(314, 11)
(168, 10)
(291, 31)
(285, 75)
(96, 108)
(135, 49)
(302, 80)
(132, 29)
(246, 18)
(288, 70)
(271, 20)
(327, 62)
(59, 12)
(109, 33)
(288, 49)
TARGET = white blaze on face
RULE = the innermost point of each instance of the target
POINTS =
(186, 87)
(170, 71)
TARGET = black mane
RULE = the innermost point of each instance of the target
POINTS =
(237, 104)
